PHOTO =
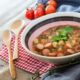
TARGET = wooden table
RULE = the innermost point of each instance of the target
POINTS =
(5, 75)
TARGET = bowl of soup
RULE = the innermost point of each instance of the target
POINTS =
(53, 38)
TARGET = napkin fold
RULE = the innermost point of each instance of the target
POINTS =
(68, 6)
(73, 72)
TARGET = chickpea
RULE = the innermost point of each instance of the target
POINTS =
(54, 44)
(36, 41)
(49, 37)
(73, 42)
(57, 33)
(61, 42)
(60, 48)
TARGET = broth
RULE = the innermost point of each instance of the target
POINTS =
(58, 41)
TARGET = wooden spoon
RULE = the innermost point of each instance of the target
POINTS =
(7, 38)
(15, 27)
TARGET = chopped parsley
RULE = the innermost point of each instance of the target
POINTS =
(63, 34)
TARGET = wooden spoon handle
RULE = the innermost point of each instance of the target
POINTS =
(11, 64)
(15, 52)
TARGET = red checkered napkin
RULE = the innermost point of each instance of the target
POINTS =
(25, 60)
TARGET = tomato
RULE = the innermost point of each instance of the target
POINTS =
(52, 2)
(29, 14)
(40, 5)
(39, 12)
(50, 9)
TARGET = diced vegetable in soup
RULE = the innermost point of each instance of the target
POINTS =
(61, 41)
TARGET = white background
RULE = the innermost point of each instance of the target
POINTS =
(12, 8)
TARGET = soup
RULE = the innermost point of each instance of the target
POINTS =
(58, 41)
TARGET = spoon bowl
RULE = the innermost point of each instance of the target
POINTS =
(15, 27)
(6, 35)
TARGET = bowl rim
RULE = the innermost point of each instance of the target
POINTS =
(34, 22)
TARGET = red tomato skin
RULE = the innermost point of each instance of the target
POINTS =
(50, 9)
(29, 14)
(53, 3)
(39, 12)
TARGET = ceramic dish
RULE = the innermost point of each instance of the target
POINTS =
(36, 27)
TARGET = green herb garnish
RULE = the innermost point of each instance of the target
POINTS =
(65, 30)
(63, 34)
(58, 38)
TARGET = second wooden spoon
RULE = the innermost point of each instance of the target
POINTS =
(15, 27)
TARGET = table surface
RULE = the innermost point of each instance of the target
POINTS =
(5, 74)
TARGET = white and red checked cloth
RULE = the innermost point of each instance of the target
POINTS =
(25, 61)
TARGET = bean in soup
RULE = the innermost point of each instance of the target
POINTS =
(59, 41)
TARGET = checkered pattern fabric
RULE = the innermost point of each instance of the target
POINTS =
(25, 61)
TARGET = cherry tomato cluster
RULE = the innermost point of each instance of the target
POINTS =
(41, 10)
